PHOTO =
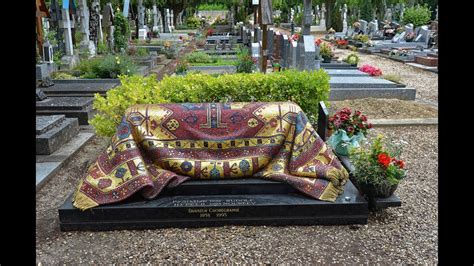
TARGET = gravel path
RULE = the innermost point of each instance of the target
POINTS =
(407, 234)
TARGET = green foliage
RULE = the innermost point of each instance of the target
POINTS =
(121, 32)
(193, 22)
(142, 51)
(212, 7)
(200, 57)
(298, 19)
(417, 15)
(182, 67)
(352, 59)
(102, 48)
(106, 67)
(336, 19)
(362, 38)
(366, 10)
(302, 87)
(244, 61)
(62, 75)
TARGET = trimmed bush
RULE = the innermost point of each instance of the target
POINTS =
(302, 87)
(417, 15)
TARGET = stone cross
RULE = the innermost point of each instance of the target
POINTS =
(141, 14)
(108, 24)
(155, 18)
(66, 25)
(83, 14)
(323, 16)
(308, 18)
(126, 6)
(388, 15)
(344, 18)
(172, 19)
(95, 27)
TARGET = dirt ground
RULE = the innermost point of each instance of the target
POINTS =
(386, 108)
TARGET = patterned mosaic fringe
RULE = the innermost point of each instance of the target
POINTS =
(83, 202)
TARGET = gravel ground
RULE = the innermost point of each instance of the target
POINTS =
(407, 234)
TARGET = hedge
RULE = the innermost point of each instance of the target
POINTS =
(302, 87)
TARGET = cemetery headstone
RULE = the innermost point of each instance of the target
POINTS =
(388, 15)
(344, 18)
(126, 6)
(83, 13)
(363, 26)
(108, 24)
(285, 51)
(141, 14)
(94, 22)
(322, 22)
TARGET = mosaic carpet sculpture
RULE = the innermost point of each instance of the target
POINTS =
(166, 144)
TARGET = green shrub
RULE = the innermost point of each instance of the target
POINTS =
(417, 15)
(244, 62)
(352, 59)
(182, 67)
(302, 87)
(109, 66)
(193, 22)
(142, 51)
(200, 57)
(212, 7)
(62, 75)
(121, 32)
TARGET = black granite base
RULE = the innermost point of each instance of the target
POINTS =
(337, 65)
(53, 134)
(174, 209)
(71, 107)
(80, 87)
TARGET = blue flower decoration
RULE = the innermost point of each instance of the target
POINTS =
(186, 166)
(120, 172)
(244, 166)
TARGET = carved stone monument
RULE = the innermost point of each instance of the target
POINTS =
(83, 14)
(108, 25)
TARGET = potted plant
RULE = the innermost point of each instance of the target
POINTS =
(326, 52)
(349, 129)
(276, 67)
(342, 44)
(377, 168)
(352, 59)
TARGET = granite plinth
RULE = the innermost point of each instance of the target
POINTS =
(79, 88)
(346, 73)
(337, 65)
(360, 82)
(340, 94)
(216, 210)
(71, 107)
(54, 133)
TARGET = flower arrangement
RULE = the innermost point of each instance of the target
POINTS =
(373, 71)
(398, 52)
(352, 59)
(326, 51)
(377, 168)
(342, 43)
(318, 42)
(349, 129)
(209, 32)
(294, 37)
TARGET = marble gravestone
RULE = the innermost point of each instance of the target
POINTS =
(306, 50)
(108, 24)
(363, 26)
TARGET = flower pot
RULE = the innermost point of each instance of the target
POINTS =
(326, 59)
(383, 190)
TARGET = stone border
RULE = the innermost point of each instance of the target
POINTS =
(48, 165)
(404, 122)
